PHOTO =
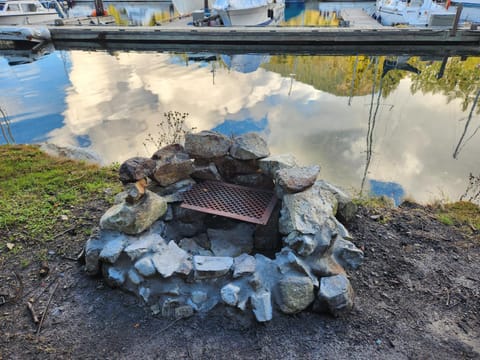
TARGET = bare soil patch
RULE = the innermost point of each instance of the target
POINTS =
(417, 296)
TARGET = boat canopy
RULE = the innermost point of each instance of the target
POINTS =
(241, 4)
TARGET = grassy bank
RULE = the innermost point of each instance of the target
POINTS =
(42, 196)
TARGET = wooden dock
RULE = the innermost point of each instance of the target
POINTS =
(362, 33)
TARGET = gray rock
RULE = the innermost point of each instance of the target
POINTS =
(262, 305)
(173, 165)
(267, 237)
(323, 239)
(114, 276)
(297, 179)
(232, 242)
(173, 192)
(211, 266)
(303, 244)
(243, 265)
(192, 247)
(337, 293)
(136, 218)
(112, 249)
(206, 172)
(145, 266)
(257, 180)
(93, 247)
(134, 277)
(229, 294)
(347, 254)
(183, 311)
(307, 211)
(172, 260)
(346, 207)
(144, 244)
(207, 144)
(288, 263)
(272, 164)
(295, 294)
(135, 169)
(199, 296)
(145, 293)
(230, 167)
(249, 146)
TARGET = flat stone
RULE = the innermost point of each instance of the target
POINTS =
(206, 172)
(232, 242)
(295, 294)
(243, 265)
(135, 169)
(112, 249)
(192, 247)
(346, 208)
(183, 312)
(211, 266)
(262, 305)
(303, 244)
(145, 266)
(257, 180)
(249, 146)
(147, 243)
(136, 218)
(272, 164)
(337, 293)
(173, 165)
(230, 293)
(297, 179)
(172, 260)
(207, 144)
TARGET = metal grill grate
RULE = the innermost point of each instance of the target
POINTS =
(232, 201)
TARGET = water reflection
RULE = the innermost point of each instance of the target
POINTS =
(341, 112)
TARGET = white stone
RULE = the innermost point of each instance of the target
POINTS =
(144, 293)
(171, 260)
(199, 296)
(93, 248)
(145, 266)
(211, 266)
(230, 293)
(115, 276)
(112, 250)
(262, 305)
(243, 265)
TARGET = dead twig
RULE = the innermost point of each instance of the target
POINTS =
(46, 309)
(64, 232)
(19, 290)
(32, 312)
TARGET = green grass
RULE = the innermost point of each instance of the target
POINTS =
(35, 189)
(462, 214)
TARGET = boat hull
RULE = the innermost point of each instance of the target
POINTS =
(255, 16)
(185, 7)
(29, 19)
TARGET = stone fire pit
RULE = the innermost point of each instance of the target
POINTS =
(181, 261)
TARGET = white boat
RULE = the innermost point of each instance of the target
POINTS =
(250, 12)
(470, 9)
(185, 7)
(413, 13)
(25, 12)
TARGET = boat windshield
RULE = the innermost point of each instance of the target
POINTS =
(2, 5)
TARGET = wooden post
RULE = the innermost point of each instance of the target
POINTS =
(457, 19)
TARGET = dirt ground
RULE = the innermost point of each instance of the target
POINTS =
(417, 297)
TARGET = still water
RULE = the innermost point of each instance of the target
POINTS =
(396, 125)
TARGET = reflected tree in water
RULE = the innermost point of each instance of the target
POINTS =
(5, 127)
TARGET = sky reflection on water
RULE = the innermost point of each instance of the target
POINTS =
(110, 103)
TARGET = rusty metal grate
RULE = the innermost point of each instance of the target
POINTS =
(232, 201)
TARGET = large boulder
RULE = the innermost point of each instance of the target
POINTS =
(249, 146)
(134, 218)
(295, 294)
(207, 144)
(172, 165)
(335, 295)
(307, 211)
(136, 168)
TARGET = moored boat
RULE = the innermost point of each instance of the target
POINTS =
(25, 12)
(470, 9)
(185, 7)
(250, 12)
(413, 13)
